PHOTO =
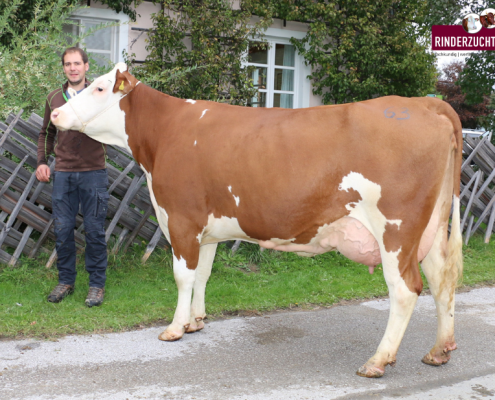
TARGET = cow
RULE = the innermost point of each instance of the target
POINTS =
(469, 23)
(487, 20)
(484, 21)
(374, 180)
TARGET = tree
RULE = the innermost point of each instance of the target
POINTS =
(361, 49)
(207, 39)
(25, 12)
(30, 62)
(471, 115)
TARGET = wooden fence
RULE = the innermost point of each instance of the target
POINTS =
(25, 203)
(477, 187)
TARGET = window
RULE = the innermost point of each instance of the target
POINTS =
(102, 44)
(274, 74)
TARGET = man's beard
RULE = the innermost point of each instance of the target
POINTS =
(75, 83)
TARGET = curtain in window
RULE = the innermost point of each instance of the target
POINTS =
(287, 78)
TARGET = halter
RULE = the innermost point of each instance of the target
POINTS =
(84, 124)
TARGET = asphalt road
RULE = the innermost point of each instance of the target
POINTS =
(287, 355)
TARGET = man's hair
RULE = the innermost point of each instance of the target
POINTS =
(83, 54)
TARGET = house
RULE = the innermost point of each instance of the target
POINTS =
(280, 73)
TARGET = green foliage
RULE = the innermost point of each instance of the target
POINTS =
(209, 36)
(30, 64)
(360, 49)
(25, 12)
(124, 6)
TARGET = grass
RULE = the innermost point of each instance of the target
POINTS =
(141, 295)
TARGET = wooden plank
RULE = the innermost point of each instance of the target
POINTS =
(121, 177)
(489, 228)
(468, 185)
(7, 132)
(5, 230)
(13, 238)
(7, 184)
(483, 215)
(138, 227)
(41, 239)
(35, 120)
(468, 207)
(468, 231)
(29, 229)
(135, 185)
(473, 153)
(4, 256)
(119, 241)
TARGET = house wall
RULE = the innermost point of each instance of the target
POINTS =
(135, 41)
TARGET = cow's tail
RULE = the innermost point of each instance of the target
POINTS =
(454, 261)
(454, 258)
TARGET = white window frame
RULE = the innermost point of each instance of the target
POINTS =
(120, 39)
(302, 85)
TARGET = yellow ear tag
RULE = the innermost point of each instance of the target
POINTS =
(121, 87)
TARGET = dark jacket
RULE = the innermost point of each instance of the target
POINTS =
(74, 151)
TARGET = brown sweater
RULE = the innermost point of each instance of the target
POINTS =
(74, 151)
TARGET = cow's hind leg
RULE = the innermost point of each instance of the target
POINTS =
(206, 257)
(443, 267)
(402, 302)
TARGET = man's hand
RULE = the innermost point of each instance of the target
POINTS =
(43, 173)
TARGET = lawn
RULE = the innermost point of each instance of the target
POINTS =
(249, 281)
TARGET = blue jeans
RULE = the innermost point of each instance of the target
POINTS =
(89, 189)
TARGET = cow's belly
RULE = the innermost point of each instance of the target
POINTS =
(347, 235)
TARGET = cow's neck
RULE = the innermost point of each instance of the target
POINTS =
(148, 116)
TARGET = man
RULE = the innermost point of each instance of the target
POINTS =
(80, 177)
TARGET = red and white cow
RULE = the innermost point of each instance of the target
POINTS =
(374, 180)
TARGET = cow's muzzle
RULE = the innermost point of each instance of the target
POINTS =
(63, 121)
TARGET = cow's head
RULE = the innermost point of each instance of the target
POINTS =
(96, 110)
(491, 18)
(484, 21)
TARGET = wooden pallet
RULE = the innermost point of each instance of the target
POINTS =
(25, 203)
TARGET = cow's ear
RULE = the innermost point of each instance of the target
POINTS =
(124, 82)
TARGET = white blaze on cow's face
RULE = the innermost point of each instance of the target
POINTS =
(96, 110)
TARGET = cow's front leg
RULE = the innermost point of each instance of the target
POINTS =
(184, 278)
(203, 272)
(402, 302)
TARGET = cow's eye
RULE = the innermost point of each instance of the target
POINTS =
(100, 89)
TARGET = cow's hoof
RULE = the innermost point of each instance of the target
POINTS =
(195, 325)
(437, 359)
(171, 336)
(370, 372)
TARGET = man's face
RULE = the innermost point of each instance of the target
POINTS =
(75, 68)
